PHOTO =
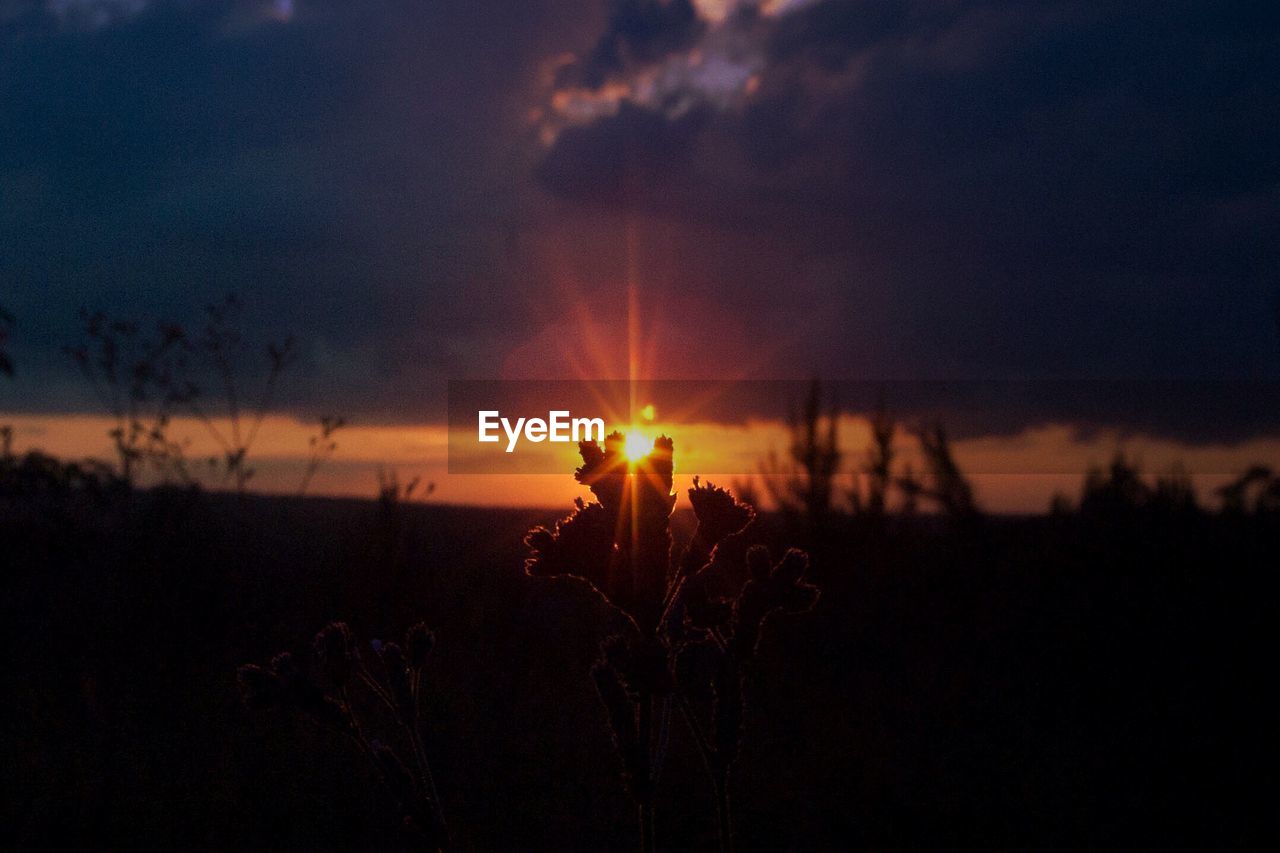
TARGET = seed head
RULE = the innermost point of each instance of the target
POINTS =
(418, 643)
(604, 471)
(393, 661)
(771, 589)
(719, 513)
(580, 545)
(336, 651)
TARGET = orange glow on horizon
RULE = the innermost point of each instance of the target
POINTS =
(1015, 473)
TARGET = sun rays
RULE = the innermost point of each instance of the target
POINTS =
(636, 446)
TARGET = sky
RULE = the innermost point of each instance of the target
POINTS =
(424, 191)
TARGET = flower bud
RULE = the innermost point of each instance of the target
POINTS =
(418, 643)
(336, 653)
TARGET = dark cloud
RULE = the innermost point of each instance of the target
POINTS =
(342, 171)
(1029, 188)
(973, 190)
(636, 151)
(639, 32)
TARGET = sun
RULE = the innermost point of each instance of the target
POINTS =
(637, 446)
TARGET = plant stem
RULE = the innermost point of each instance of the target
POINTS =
(646, 800)
(646, 827)
(719, 776)
(429, 780)
(721, 782)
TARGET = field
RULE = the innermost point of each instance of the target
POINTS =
(1026, 683)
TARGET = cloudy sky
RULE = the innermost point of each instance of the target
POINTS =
(436, 189)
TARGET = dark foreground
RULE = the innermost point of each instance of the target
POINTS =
(1035, 683)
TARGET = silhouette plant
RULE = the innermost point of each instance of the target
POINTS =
(390, 681)
(322, 446)
(38, 483)
(219, 343)
(1117, 491)
(1119, 494)
(137, 378)
(946, 484)
(681, 642)
(1257, 490)
(803, 487)
(1174, 493)
(143, 380)
(877, 470)
(391, 539)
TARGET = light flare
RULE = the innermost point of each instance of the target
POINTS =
(637, 445)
